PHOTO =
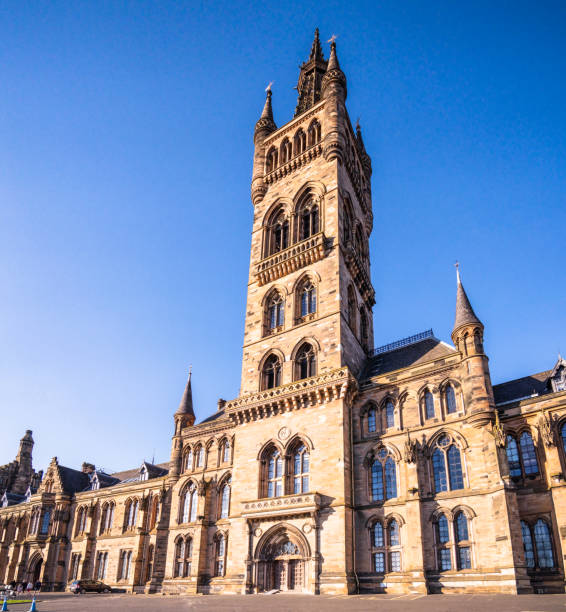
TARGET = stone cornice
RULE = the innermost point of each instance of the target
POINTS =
(320, 389)
(301, 503)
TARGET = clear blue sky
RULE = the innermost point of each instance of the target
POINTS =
(125, 164)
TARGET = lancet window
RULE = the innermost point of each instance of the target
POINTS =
(277, 234)
(183, 557)
(314, 133)
(447, 465)
(221, 550)
(305, 362)
(308, 219)
(188, 504)
(450, 399)
(538, 546)
(225, 490)
(275, 312)
(107, 517)
(285, 151)
(428, 405)
(301, 461)
(386, 547)
(300, 141)
(131, 514)
(307, 299)
(271, 160)
(271, 372)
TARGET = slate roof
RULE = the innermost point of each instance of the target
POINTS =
(154, 472)
(465, 314)
(11, 499)
(429, 349)
(535, 384)
(72, 480)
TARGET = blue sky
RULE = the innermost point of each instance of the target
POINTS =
(125, 165)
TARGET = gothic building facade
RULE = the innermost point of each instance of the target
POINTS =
(339, 468)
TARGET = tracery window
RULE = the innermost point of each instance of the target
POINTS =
(537, 542)
(220, 556)
(188, 460)
(383, 476)
(447, 465)
(189, 504)
(183, 557)
(107, 517)
(386, 547)
(271, 160)
(300, 141)
(522, 458)
(45, 520)
(307, 297)
(275, 312)
(225, 498)
(453, 536)
(271, 374)
(305, 362)
(225, 451)
(275, 475)
(314, 133)
(428, 400)
(277, 237)
(301, 468)
(450, 399)
(308, 218)
(285, 151)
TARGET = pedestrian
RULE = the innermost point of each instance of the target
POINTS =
(29, 586)
(20, 588)
(38, 585)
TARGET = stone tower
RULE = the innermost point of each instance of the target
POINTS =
(310, 297)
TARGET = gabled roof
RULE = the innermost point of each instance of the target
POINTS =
(154, 471)
(414, 354)
(72, 480)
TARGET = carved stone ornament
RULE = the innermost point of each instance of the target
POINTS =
(546, 429)
(307, 528)
(258, 531)
(410, 450)
(284, 433)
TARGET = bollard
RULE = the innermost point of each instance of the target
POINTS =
(33, 607)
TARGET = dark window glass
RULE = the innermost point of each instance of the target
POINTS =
(450, 399)
(528, 545)
(445, 560)
(429, 405)
(371, 420)
(543, 542)
(513, 457)
(443, 533)
(439, 470)
(377, 481)
(455, 468)
(390, 414)
(528, 453)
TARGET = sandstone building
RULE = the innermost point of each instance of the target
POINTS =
(339, 468)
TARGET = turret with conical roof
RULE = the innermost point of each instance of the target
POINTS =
(467, 335)
(184, 417)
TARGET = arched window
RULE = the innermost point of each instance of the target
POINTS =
(277, 236)
(131, 514)
(45, 520)
(352, 309)
(307, 299)
(275, 312)
(372, 421)
(271, 373)
(428, 400)
(364, 328)
(543, 544)
(300, 141)
(149, 565)
(521, 457)
(314, 133)
(462, 541)
(101, 565)
(225, 498)
(199, 455)
(285, 151)
(563, 436)
(383, 476)
(447, 466)
(305, 362)
(443, 544)
(81, 521)
(271, 160)
(275, 475)
(183, 557)
(450, 399)
(301, 459)
(225, 451)
(528, 454)
(220, 556)
(154, 512)
(188, 460)
(189, 504)
(386, 547)
(389, 414)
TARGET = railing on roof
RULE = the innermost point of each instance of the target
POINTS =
(404, 342)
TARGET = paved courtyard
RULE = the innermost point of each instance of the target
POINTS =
(55, 602)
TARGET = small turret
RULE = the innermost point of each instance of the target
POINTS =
(263, 128)
(334, 91)
(185, 414)
(334, 74)
(467, 335)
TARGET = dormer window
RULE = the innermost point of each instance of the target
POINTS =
(94, 482)
(144, 474)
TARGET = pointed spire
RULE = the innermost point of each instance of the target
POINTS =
(333, 60)
(186, 405)
(266, 120)
(465, 314)
(316, 49)
(333, 71)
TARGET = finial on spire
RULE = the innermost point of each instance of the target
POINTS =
(316, 49)
(268, 88)
(266, 119)
(332, 38)
(465, 314)
(457, 266)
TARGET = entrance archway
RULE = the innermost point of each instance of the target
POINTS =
(34, 569)
(282, 560)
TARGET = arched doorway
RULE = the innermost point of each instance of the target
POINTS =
(34, 569)
(282, 560)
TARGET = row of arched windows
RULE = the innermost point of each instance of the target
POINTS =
(195, 456)
(300, 143)
(182, 564)
(274, 306)
(521, 456)
(304, 366)
(378, 419)
(283, 228)
(189, 499)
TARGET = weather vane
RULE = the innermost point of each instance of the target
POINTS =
(332, 38)
(268, 88)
